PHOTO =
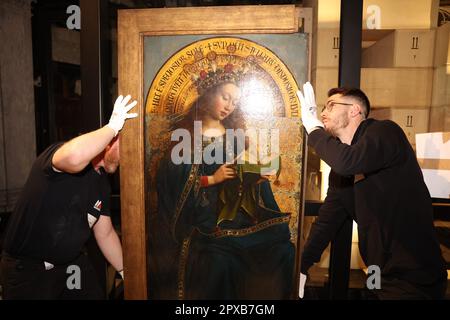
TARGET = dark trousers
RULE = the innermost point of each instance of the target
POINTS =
(27, 279)
(398, 289)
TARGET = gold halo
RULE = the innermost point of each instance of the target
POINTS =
(173, 90)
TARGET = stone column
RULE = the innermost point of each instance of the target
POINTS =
(17, 115)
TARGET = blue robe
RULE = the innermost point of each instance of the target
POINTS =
(197, 256)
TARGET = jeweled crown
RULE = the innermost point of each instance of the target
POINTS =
(209, 73)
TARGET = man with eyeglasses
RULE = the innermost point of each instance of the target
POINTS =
(375, 179)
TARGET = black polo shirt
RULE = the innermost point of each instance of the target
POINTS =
(54, 215)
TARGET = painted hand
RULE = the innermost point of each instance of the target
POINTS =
(225, 172)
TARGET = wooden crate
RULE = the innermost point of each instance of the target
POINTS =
(441, 87)
(398, 87)
(323, 80)
(439, 119)
(380, 54)
(441, 47)
(414, 48)
(401, 48)
(327, 48)
(387, 87)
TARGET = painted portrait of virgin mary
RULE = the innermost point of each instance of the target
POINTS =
(217, 229)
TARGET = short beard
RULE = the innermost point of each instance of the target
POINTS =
(341, 123)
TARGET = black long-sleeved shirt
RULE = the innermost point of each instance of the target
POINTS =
(391, 203)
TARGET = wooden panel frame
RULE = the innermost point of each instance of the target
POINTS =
(133, 25)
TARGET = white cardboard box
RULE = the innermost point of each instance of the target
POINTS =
(433, 154)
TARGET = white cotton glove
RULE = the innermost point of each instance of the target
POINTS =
(309, 108)
(301, 288)
(120, 113)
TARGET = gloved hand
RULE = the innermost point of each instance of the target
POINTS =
(301, 288)
(120, 113)
(309, 108)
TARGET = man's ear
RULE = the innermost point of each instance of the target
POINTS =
(356, 110)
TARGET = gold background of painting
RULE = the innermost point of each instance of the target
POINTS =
(173, 90)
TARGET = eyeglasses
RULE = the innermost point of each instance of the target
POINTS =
(331, 104)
